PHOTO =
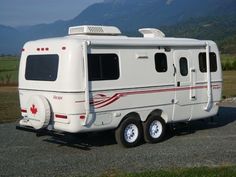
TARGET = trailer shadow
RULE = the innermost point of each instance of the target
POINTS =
(226, 115)
(86, 141)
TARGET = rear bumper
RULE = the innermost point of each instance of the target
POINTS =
(24, 128)
(40, 132)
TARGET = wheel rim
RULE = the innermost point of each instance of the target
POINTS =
(131, 133)
(155, 129)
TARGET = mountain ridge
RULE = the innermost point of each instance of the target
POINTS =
(129, 16)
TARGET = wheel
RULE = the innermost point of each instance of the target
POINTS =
(154, 129)
(129, 133)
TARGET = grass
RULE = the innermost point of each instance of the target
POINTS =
(9, 104)
(9, 70)
(229, 85)
(224, 171)
(228, 62)
(228, 58)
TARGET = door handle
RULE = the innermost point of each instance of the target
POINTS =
(178, 83)
(174, 70)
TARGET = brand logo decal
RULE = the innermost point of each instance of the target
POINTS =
(33, 109)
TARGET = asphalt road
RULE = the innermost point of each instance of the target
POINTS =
(201, 143)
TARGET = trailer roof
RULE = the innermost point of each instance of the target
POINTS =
(101, 40)
(137, 41)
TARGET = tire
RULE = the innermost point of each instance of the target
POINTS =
(38, 112)
(154, 129)
(129, 133)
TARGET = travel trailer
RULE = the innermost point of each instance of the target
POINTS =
(96, 79)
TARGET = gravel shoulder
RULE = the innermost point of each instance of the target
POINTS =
(201, 143)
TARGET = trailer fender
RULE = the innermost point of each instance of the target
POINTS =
(131, 114)
(160, 113)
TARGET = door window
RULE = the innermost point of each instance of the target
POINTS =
(161, 62)
(183, 64)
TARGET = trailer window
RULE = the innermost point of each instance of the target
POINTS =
(41, 67)
(103, 67)
(203, 65)
(161, 62)
(183, 64)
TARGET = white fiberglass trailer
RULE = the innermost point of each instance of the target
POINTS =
(96, 79)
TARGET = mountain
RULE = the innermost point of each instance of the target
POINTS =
(134, 14)
(130, 15)
(8, 38)
(220, 29)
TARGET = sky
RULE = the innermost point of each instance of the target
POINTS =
(30, 12)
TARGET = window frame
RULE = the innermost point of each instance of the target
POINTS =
(101, 70)
(180, 68)
(161, 70)
(39, 64)
(203, 63)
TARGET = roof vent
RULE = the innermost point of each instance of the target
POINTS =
(94, 30)
(152, 33)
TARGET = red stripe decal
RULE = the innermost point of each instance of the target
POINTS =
(103, 100)
(108, 102)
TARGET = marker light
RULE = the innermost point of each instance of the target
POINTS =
(61, 116)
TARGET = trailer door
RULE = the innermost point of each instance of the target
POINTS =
(183, 85)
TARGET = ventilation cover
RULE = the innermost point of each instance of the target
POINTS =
(94, 30)
(152, 33)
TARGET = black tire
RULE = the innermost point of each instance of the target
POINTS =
(157, 135)
(121, 132)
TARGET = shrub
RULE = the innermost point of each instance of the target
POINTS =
(234, 65)
(226, 66)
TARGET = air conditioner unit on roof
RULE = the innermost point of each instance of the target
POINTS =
(152, 33)
(94, 30)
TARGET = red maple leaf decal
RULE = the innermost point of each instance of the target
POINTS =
(33, 109)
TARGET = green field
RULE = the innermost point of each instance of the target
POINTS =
(228, 62)
(229, 84)
(9, 70)
(9, 104)
(228, 58)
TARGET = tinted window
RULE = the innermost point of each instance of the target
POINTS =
(42, 67)
(203, 65)
(183, 64)
(103, 67)
(161, 62)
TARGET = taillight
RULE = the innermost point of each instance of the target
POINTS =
(23, 110)
(61, 116)
(82, 116)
